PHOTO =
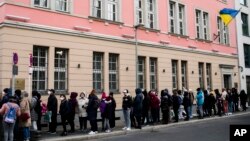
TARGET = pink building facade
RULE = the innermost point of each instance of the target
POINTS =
(84, 44)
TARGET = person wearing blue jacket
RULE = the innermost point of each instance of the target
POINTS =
(200, 102)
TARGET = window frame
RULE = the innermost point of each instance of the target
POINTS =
(42, 3)
(141, 73)
(174, 66)
(223, 32)
(114, 72)
(209, 75)
(245, 24)
(201, 74)
(200, 21)
(153, 83)
(244, 2)
(246, 55)
(98, 71)
(184, 68)
(58, 8)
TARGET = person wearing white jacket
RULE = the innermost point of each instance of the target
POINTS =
(82, 106)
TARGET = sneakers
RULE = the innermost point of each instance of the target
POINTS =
(107, 131)
(124, 128)
(92, 133)
(128, 129)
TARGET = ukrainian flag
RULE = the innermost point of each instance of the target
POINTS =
(227, 15)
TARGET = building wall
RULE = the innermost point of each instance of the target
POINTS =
(81, 50)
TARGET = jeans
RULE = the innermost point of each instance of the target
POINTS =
(200, 111)
(230, 107)
(126, 114)
(93, 123)
(83, 123)
(191, 111)
(187, 110)
(106, 124)
(26, 133)
(8, 131)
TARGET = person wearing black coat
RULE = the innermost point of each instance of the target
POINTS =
(145, 107)
(166, 102)
(137, 108)
(64, 112)
(186, 103)
(93, 105)
(219, 102)
(212, 102)
(176, 105)
(206, 102)
(72, 105)
(126, 107)
(113, 107)
(243, 100)
(235, 99)
(52, 106)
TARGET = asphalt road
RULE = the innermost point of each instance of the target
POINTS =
(204, 130)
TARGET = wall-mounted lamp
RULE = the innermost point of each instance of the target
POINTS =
(243, 77)
(215, 73)
(78, 66)
(163, 70)
(192, 72)
(126, 68)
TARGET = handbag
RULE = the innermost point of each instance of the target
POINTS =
(24, 116)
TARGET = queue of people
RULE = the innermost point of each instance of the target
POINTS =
(22, 115)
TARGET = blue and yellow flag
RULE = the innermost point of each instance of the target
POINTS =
(227, 15)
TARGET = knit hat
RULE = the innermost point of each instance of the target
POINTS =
(104, 95)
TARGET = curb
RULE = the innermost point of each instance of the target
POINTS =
(134, 131)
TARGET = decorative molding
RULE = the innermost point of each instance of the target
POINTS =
(81, 28)
(164, 42)
(128, 36)
(226, 66)
(17, 18)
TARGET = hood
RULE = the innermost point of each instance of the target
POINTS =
(138, 91)
(73, 95)
(104, 96)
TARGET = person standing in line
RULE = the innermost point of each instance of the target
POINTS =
(166, 102)
(230, 102)
(145, 107)
(206, 103)
(219, 102)
(200, 102)
(126, 107)
(93, 105)
(25, 120)
(34, 114)
(9, 127)
(73, 106)
(191, 96)
(102, 109)
(82, 106)
(235, 100)
(107, 114)
(225, 101)
(154, 105)
(65, 113)
(212, 102)
(16, 128)
(137, 107)
(243, 100)
(186, 104)
(176, 105)
(52, 107)
(113, 107)
(180, 114)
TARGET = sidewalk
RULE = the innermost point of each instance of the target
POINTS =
(77, 136)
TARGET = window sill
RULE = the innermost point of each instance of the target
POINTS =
(66, 12)
(105, 20)
(37, 6)
(150, 29)
(203, 40)
(178, 35)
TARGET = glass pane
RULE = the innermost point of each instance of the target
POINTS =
(42, 75)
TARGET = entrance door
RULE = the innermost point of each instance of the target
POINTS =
(248, 88)
(227, 81)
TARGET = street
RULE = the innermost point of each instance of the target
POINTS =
(204, 130)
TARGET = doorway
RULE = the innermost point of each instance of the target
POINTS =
(227, 81)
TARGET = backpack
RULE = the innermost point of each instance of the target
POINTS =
(10, 116)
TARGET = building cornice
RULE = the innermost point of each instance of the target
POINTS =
(91, 35)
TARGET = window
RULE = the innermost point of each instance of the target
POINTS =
(41, 3)
(153, 73)
(184, 74)
(175, 74)
(146, 13)
(202, 25)
(209, 76)
(243, 2)
(201, 75)
(106, 9)
(61, 70)
(40, 68)
(62, 5)
(177, 20)
(98, 71)
(223, 35)
(244, 18)
(113, 73)
(247, 55)
(141, 73)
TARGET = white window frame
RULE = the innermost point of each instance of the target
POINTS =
(184, 74)
(61, 68)
(174, 74)
(243, 2)
(60, 5)
(223, 32)
(177, 18)
(141, 73)
(153, 73)
(42, 3)
(98, 68)
(148, 9)
(106, 12)
(201, 74)
(37, 69)
(209, 75)
(202, 24)
(114, 61)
